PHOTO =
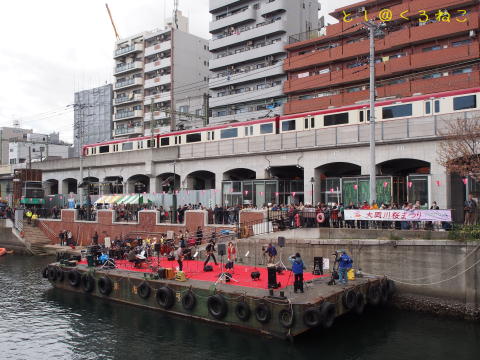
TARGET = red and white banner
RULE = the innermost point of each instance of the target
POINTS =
(399, 215)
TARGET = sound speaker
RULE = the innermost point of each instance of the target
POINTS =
(222, 249)
(255, 275)
(162, 273)
(317, 265)
(208, 268)
(281, 241)
(272, 277)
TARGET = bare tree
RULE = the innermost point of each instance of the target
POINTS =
(459, 152)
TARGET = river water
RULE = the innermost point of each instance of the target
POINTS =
(39, 322)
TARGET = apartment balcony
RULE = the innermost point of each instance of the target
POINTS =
(244, 116)
(128, 50)
(430, 5)
(163, 46)
(439, 30)
(158, 98)
(157, 81)
(446, 56)
(247, 96)
(128, 83)
(159, 64)
(131, 114)
(247, 54)
(312, 59)
(128, 99)
(273, 7)
(157, 115)
(215, 5)
(126, 68)
(249, 14)
(278, 26)
(127, 131)
(243, 77)
(408, 88)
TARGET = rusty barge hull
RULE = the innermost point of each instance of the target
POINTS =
(248, 309)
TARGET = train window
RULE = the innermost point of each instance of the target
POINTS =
(213, 135)
(465, 102)
(428, 107)
(390, 112)
(140, 145)
(437, 106)
(151, 143)
(312, 123)
(191, 138)
(306, 123)
(246, 130)
(127, 146)
(165, 141)
(266, 128)
(288, 125)
(104, 149)
(335, 119)
(228, 133)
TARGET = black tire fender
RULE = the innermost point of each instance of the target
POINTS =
(242, 310)
(52, 273)
(88, 283)
(349, 299)
(312, 317)
(263, 313)
(144, 290)
(373, 294)
(74, 278)
(165, 297)
(45, 272)
(189, 301)
(359, 304)
(286, 318)
(60, 274)
(328, 312)
(105, 285)
(217, 306)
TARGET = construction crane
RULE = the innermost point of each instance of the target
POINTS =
(113, 24)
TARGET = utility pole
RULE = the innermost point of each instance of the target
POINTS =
(374, 30)
(30, 157)
(206, 108)
(174, 198)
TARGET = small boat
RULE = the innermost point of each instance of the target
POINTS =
(3, 251)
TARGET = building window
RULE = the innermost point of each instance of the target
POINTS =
(266, 128)
(431, 48)
(183, 109)
(428, 108)
(465, 102)
(335, 119)
(390, 112)
(288, 125)
(229, 133)
(437, 106)
(461, 42)
(462, 71)
(432, 76)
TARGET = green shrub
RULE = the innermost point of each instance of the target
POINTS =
(465, 233)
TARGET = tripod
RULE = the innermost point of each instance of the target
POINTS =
(280, 263)
(223, 275)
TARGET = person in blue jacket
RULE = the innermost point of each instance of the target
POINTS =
(297, 268)
(344, 264)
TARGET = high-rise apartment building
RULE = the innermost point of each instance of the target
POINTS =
(8, 134)
(93, 116)
(156, 73)
(248, 40)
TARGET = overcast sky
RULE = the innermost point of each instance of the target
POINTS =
(52, 48)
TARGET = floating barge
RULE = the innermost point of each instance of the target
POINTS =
(240, 303)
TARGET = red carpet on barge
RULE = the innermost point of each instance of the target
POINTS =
(193, 269)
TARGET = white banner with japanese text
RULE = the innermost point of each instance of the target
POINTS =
(399, 215)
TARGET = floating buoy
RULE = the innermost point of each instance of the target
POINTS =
(320, 217)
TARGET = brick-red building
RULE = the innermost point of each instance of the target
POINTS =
(413, 57)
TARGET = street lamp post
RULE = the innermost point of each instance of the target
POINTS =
(312, 181)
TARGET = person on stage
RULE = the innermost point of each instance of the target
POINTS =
(297, 268)
(231, 255)
(272, 253)
(179, 257)
(210, 252)
(344, 264)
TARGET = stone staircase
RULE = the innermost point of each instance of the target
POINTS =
(35, 239)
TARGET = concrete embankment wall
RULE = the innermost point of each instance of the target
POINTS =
(434, 268)
(8, 239)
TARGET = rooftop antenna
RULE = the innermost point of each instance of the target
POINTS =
(16, 123)
(175, 16)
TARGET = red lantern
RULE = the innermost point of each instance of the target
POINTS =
(355, 186)
(410, 184)
(385, 184)
(331, 190)
(465, 181)
(246, 192)
(293, 194)
(438, 182)
(277, 193)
